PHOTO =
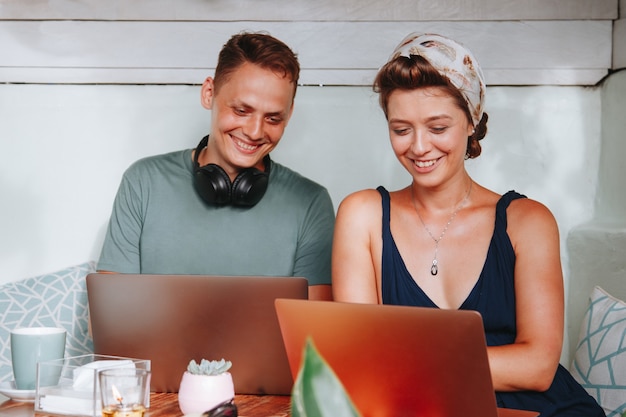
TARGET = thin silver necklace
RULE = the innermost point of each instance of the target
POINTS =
(434, 268)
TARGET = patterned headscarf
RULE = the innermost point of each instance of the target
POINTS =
(453, 61)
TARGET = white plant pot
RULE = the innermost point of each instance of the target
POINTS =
(200, 393)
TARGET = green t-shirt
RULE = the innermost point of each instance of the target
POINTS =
(160, 225)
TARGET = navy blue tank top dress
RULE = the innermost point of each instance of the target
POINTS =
(493, 297)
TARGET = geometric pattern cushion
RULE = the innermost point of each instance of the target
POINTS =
(600, 361)
(57, 299)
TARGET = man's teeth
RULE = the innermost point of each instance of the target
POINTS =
(425, 164)
(246, 146)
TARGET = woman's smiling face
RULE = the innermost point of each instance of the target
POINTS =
(249, 114)
(428, 133)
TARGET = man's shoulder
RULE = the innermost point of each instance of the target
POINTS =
(160, 162)
(292, 178)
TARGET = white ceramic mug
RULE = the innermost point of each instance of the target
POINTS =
(30, 345)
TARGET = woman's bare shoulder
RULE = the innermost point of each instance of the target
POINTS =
(360, 209)
(530, 218)
(527, 209)
(361, 200)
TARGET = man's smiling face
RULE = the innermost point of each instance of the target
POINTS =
(249, 113)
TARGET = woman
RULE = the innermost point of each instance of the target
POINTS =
(447, 242)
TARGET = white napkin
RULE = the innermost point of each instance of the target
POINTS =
(65, 404)
(85, 375)
(79, 399)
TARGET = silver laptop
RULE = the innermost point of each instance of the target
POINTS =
(172, 319)
(397, 360)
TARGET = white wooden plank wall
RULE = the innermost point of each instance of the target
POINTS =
(307, 10)
(619, 38)
(518, 42)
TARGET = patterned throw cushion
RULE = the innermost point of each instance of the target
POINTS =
(600, 361)
(57, 299)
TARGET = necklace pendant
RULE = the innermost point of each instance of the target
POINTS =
(434, 268)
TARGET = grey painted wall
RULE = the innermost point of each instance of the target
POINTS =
(63, 149)
(597, 249)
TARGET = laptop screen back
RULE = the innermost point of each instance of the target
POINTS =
(172, 319)
(396, 360)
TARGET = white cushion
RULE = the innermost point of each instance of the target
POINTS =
(600, 361)
(56, 299)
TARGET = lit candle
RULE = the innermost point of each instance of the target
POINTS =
(121, 410)
(117, 395)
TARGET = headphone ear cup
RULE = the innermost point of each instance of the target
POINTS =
(212, 184)
(249, 187)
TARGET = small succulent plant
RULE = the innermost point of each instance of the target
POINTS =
(208, 367)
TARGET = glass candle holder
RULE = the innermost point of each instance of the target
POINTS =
(124, 392)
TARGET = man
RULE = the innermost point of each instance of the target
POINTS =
(225, 208)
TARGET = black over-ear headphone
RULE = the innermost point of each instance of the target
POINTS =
(213, 183)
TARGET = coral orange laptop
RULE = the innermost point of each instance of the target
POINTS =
(396, 360)
(172, 319)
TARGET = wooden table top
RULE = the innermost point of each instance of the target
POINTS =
(166, 405)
